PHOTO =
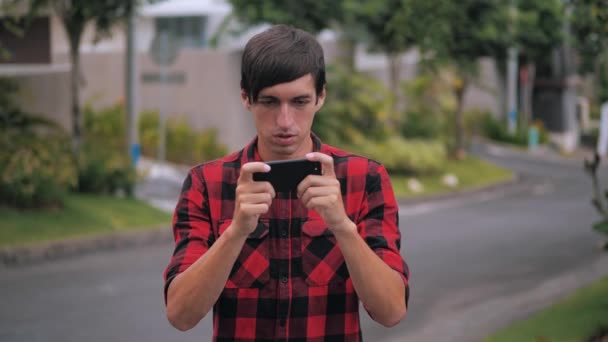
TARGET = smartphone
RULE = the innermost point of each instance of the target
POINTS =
(285, 175)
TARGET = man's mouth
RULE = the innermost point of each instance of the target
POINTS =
(284, 139)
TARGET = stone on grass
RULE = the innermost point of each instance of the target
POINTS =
(414, 185)
(449, 180)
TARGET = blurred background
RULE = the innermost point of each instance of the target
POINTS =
(487, 114)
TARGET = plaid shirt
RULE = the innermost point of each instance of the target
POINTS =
(290, 281)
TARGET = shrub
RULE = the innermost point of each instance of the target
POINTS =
(486, 124)
(184, 145)
(148, 133)
(107, 126)
(35, 171)
(401, 156)
(104, 171)
(357, 106)
(422, 125)
(429, 103)
(206, 143)
(36, 164)
(104, 165)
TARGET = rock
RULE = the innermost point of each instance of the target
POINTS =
(414, 185)
(449, 180)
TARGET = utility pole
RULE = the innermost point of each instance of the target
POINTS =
(131, 91)
(512, 66)
(571, 137)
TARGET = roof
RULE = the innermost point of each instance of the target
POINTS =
(174, 8)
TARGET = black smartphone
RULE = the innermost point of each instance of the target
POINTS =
(285, 175)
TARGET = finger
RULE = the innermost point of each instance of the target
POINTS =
(254, 187)
(316, 181)
(314, 192)
(327, 162)
(249, 169)
(257, 198)
(254, 209)
(320, 202)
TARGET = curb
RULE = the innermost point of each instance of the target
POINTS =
(470, 192)
(543, 153)
(53, 250)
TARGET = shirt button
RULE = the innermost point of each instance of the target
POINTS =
(284, 233)
(284, 280)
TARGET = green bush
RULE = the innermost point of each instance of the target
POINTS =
(422, 125)
(184, 145)
(36, 164)
(357, 106)
(105, 171)
(104, 165)
(148, 133)
(401, 156)
(206, 143)
(106, 126)
(429, 103)
(35, 171)
(486, 124)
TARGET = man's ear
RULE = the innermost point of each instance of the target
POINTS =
(245, 100)
(321, 98)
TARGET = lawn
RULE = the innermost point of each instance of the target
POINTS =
(471, 172)
(574, 319)
(82, 215)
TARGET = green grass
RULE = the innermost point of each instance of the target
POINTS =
(574, 319)
(471, 173)
(82, 215)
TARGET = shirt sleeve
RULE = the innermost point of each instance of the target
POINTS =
(379, 222)
(191, 227)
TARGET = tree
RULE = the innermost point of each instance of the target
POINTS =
(471, 29)
(537, 31)
(590, 30)
(75, 16)
(393, 27)
(309, 15)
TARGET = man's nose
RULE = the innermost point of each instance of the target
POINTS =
(285, 117)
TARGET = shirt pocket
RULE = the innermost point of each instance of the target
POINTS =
(252, 267)
(322, 260)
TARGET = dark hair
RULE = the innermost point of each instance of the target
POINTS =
(278, 55)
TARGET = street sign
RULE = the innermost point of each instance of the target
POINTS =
(163, 50)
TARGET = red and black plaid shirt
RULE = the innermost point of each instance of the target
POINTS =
(290, 281)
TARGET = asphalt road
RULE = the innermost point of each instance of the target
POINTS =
(476, 263)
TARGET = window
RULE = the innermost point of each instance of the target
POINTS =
(187, 31)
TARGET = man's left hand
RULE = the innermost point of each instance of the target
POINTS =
(322, 194)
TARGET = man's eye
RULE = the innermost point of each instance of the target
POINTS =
(300, 102)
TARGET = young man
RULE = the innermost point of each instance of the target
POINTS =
(289, 266)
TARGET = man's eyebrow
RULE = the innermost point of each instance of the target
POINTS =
(267, 97)
(303, 97)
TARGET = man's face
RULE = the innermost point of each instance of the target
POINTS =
(283, 116)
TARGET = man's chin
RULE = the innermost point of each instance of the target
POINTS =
(284, 152)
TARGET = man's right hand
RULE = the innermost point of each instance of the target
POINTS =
(252, 198)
